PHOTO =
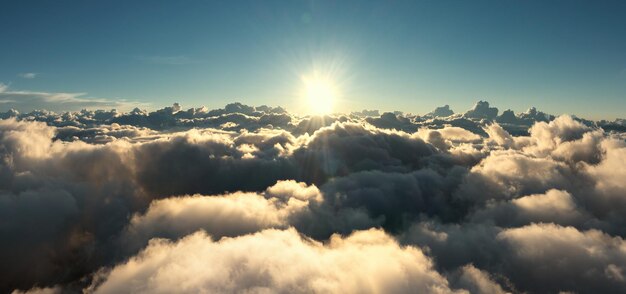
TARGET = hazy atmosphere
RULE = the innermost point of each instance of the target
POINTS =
(312, 147)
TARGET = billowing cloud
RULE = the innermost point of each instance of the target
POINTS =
(482, 110)
(275, 261)
(225, 215)
(258, 199)
(477, 281)
(555, 206)
(565, 259)
(443, 111)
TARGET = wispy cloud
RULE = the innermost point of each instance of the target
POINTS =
(28, 75)
(30, 100)
(168, 60)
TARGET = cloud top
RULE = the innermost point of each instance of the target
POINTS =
(256, 199)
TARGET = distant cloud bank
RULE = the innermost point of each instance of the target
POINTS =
(25, 101)
(255, 199)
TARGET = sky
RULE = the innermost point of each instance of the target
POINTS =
(560, 56)
(239, 199)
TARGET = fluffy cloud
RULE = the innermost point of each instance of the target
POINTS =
(225, 215)
(478, 202)
(510, 174)
(555, 206)
(443, 111)
(275, 261)
(548, 257)
(477, 281)
(482, 110)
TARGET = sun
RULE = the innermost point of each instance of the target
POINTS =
(320, 93)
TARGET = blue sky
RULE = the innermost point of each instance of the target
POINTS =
(561, 56)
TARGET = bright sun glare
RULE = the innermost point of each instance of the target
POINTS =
(320, 94)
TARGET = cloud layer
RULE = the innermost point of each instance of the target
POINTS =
(257, 199)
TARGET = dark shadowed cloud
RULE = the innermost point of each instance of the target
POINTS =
(93, 200)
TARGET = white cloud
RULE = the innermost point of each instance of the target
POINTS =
(221, 215)
(88, 189)
(25, 101)
(275, 261)
(28, 75)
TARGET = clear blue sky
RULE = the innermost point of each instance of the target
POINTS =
(561, 56)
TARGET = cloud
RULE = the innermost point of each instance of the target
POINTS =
(36, 290)
(29, 100)
(565, 259)
(162, 167)
(28, 75)
(220, 215)
(390, 120)
(393, 199)
(344, 148)
(554, 206)
(482, 110)
(508, 175)
(442, 111)
(477, 281)
(97, 198)
(366, 261)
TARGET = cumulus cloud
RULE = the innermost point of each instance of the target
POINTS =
(554, 206)
(442, 111)
(482, 110)
(565, 259)
(225, 215)
(612, 169)
(275, 261)
(510, 174)
(477, 281)
(97, 199)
